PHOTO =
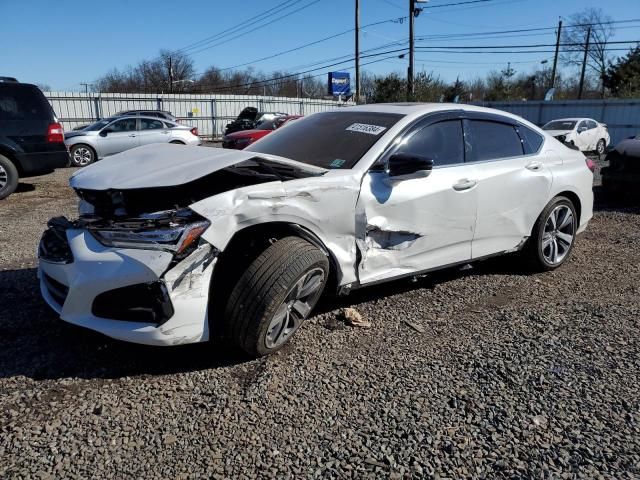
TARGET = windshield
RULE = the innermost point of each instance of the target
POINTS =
(328, 139)
(100, 124)
(269, 123)
(560, 125)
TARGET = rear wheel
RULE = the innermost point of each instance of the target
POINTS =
(275, 295)
(177, 142)
(8, 177)
(553, 235)
(601, 146)
(82, 155)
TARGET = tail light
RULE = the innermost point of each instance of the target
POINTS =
(55, 133)
(194, 131)
(590, 164)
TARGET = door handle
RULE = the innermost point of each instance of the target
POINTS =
(534, 166)
(165, 131)
(464, 184)
(132, 135)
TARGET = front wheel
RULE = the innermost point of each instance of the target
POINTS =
(275, 295)
(82, 155)
(553, 235)
(601, 146)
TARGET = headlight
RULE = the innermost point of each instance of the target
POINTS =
(244, 141)
(175, 239)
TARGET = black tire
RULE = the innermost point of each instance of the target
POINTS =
(601, 147)
(177, 142)
(534, 251)
(264, 289)
(81, 155)
(8, 177)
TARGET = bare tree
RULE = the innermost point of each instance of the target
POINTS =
(574, 36)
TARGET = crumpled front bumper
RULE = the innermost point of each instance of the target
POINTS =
(71, 288)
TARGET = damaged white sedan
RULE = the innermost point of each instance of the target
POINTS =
(178, 245)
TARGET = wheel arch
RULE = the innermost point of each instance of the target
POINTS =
(10, 155)
(575, 199)
(242, 249)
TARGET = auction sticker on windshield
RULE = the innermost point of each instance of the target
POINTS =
(366, 128)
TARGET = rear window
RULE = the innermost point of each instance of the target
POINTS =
(493, 140)
(560, 125)
(328, 139)
(532, 141)
(23, 102)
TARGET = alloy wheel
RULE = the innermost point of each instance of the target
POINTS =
(600, 147)
(298, 302)
(4, 177)
(558, 235)
(82, 156)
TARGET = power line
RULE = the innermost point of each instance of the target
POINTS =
(242, 25)
(256, 28)
(539, 45)
(456, 3)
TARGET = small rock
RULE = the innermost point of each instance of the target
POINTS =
(352, 317)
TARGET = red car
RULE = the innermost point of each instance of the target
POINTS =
(266, 125)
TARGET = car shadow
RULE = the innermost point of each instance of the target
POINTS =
(606, 202)
(36, 344)
(25, 187)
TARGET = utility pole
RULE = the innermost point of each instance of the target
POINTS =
(410, 87)
(413, 12)
(584, 63)
(170, 76)
(357, 51)
(555, 58)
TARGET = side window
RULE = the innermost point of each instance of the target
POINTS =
(148, 124)
(591, 125)
(493, 140)
(442, 142)
(531, 140)
(582, 126)
(126, 125)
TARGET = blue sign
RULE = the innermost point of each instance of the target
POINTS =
(339, 84)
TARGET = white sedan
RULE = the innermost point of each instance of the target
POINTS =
(179, 245)
(584, 133)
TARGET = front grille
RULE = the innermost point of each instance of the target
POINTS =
(144, 302)
(57, 290)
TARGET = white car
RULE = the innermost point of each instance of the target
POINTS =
(117, 134)
(584, 133)
(177, 245)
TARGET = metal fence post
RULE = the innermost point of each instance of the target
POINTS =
(301, 107)
(98, 109)
(159, 103)
(214, 114)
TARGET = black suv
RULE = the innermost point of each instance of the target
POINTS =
(31, 138)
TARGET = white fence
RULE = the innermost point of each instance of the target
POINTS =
(210, 113)
(621, 116)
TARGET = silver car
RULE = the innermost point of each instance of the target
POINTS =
(114, 135)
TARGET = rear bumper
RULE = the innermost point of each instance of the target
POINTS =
(42, 162)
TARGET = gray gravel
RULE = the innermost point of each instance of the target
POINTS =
(479, 373)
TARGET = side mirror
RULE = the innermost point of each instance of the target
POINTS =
(401, 164)
(105, 131)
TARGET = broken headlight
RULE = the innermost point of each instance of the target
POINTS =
(177, 238)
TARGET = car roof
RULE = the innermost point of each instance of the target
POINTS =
(124, 117)
(573, 119)
(415, 110)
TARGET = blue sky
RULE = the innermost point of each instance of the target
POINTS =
(64, 43)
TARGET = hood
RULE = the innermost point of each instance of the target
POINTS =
(555, 133)
(629, 148)
(165, 165)
(248, 113)
(247, 133)
(74, 133)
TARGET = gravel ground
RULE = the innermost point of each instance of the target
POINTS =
(478, 373)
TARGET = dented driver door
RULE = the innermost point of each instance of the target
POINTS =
(415, 224)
